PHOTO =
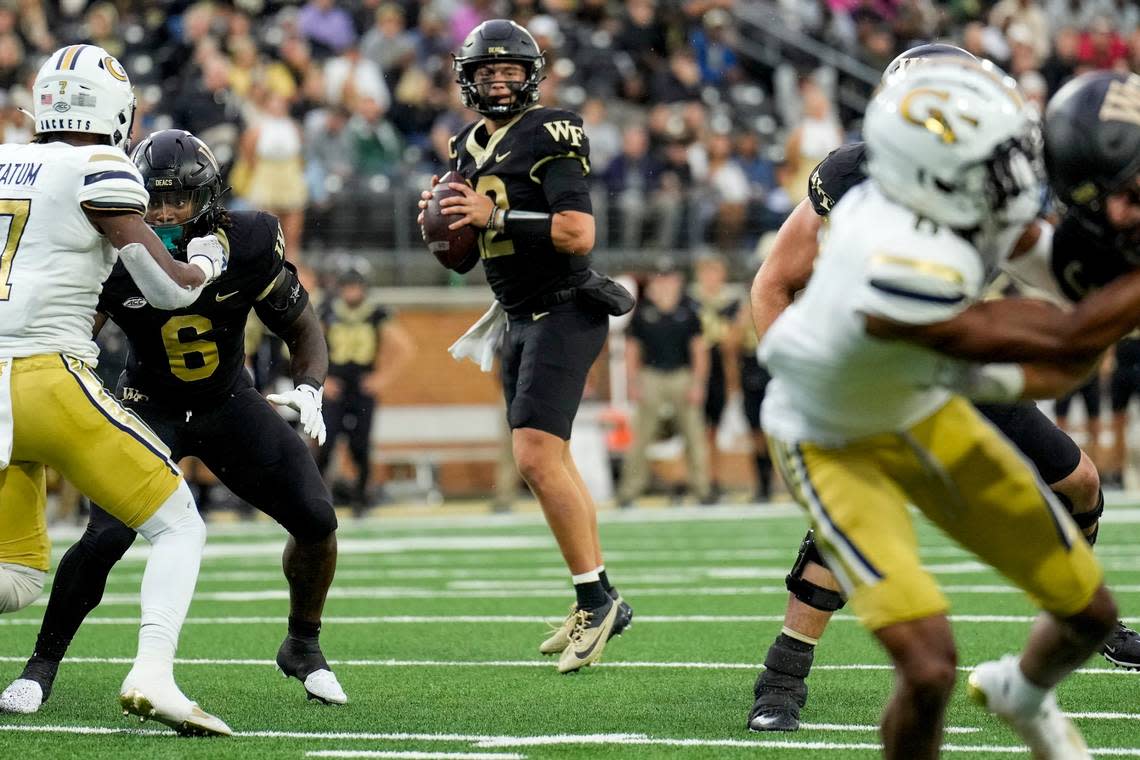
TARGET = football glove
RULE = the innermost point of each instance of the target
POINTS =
(307, 401)
(208, 254)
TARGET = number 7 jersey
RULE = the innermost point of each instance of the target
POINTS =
(53, 262)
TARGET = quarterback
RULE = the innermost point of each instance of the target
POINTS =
(72, 204)
(862, 426)
(527, 166)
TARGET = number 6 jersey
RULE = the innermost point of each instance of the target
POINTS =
(53, 260)
(189, 357)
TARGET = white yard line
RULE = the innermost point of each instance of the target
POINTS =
(490, 742)
(413, 755)
(496, 619)
(394, 663)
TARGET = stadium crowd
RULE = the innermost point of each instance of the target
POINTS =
(324, 112)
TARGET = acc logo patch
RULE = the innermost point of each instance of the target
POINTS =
(135, 302)
(60, 106)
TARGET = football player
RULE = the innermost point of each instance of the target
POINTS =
(862, 426)
(186, 379)
(527, 167)
(71, 203)
(780, 689)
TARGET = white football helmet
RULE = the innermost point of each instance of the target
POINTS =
(82, 88)
(954, 140)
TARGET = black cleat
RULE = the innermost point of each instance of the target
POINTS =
(1123, 647)
(624, 616)
(303, 660)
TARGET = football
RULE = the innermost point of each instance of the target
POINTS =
(451, 247)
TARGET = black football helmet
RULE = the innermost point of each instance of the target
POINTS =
(931, 50)
(1092, 148)
(499, 41)
(182, 177)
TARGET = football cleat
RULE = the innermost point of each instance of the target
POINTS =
(560, 634)
(1122, 648)
(23, 696)
(161, 700)
(304, 661)
(1049, 734)
(592, 629)
(781, 689)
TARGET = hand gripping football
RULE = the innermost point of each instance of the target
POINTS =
(451, 247)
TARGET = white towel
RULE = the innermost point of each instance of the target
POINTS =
(6, 426)
(482, 340)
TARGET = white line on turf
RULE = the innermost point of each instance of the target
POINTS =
(489, 742)
(371, 592)
(406, 755)
(497, 619)
(394, 663)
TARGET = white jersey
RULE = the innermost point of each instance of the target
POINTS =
(831, 381)
(54, 261)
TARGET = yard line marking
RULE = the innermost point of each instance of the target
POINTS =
(394, 663)
(410, 592)
(496, 619)
(412, 755)
(857, 728)
(487, 742)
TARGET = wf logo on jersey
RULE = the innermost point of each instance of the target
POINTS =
(563, 131)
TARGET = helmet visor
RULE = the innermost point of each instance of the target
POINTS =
(176, 207)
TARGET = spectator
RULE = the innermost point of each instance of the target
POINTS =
(377, 146)
(1062, 62)
(11, 60)
(271, 149)
(389, 44)
(642, 36)
(328, 153)
(327, 27)
(209, 102)
(102, 24)
(679, 81)
(712, 46)
(1031, 15)
(351, 76)
(817, 134)
(667, 363)
(728, 193)
(632, 186)
(1101, 47)
(605, 137)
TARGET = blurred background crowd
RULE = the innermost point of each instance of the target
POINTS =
(705, 118)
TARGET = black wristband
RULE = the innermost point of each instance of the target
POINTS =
(529, 228)
(308, 380)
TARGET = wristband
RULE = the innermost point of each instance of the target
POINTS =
(528, 227)
(308, 380)
(207, 268)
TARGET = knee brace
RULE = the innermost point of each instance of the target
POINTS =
(1085, 520)
(823, 599)
(19, 586)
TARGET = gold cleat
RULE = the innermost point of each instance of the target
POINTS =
(591, 630)
(195, 722)
(559, 634)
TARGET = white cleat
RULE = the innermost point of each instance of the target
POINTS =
(161, 700)
(322, 686)
(23, 696)
(1049, 734)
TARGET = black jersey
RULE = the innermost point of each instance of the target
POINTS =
(353, 337)
(844, 168)
(1081, 262)
(509, 166)
(193, 356)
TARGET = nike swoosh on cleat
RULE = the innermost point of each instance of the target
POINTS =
(219, 297)
(584, 655)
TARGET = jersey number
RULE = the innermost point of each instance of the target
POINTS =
(489, 246)
(17, 213)
(190, 357)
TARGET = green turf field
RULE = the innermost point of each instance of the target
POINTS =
(433, 626)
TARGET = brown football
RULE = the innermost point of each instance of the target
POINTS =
(451, 247)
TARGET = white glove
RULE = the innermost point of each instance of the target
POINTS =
(307, 401)
(208, 254)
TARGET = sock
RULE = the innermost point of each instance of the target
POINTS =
(1025, 696)
(794, 644)
(797, 636)
(177, 535)
(609, 587)
(78, 588)
(591, 593)
(303, 629)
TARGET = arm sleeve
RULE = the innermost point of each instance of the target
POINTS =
(906, 288)
(564, 184)
(1032, 271)
(284, 301)
(156, 286)
(110, 182)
